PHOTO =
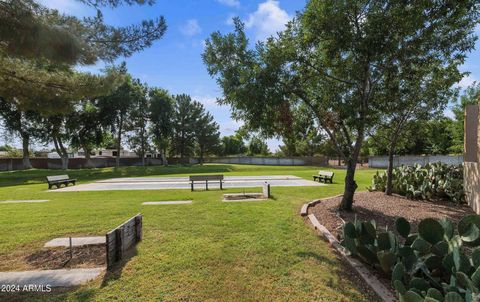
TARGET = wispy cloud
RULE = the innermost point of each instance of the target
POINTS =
(268, 19)
(191, 28)
(231, 3)
(467, 81)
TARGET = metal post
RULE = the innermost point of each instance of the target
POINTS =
(206, 185)
(71, 248)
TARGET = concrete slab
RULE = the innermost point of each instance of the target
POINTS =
(76, 241)
(24, 201)
(54, 278)
(245, 200)
(160, 183)
(154, 203)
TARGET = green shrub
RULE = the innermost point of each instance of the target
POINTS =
(434, 181)
(430, 265)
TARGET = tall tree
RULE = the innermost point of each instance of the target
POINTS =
(117, 107)
(207, 134)
(54, 129)
(187, 113)
(413, 90)
(139, 122)
(333, 58)
(21, 123)
(87, 128)
(161, 117)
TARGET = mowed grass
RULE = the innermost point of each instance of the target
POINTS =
(204, 251)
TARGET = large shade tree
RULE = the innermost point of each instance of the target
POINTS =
(333, 58)
(161, 117)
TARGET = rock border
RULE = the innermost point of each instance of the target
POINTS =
(370, 279)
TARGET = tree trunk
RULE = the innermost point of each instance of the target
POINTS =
(119, 141)
(389, 187)
(88, 159)
(164, 157)
(201, 156)
(350, 183)
(26, 156)
(61, 151)
(143, 148)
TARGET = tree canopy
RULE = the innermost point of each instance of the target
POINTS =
(334, 58)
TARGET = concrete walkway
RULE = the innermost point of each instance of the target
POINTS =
(159, 183)
(24, 201)
(76, 241)
(54, 278)
(154, 203)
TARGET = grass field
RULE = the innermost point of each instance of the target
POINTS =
(204, 251)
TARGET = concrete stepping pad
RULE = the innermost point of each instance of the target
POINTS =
(24, 201)
(154, 203)
(246, 200)
(54, 278)
(76, 241)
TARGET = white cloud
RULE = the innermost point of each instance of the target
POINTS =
(268, 19)
(191, 28)
(207, 101)
(467, 81)
(232, 3)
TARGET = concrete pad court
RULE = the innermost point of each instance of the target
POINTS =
(76, 241)
(53, 278)
(160, 183)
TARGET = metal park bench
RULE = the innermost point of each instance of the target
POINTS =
(205, 179)
(58, 180)
(325, 176)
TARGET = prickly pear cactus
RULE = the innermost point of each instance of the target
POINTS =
(431, 265)
(433, 181)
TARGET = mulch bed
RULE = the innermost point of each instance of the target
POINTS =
(384, 210)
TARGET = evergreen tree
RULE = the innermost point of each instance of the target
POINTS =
(207, 134)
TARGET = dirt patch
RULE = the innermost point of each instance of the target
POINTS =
(57, 258)
(384, 210)
(29, 258)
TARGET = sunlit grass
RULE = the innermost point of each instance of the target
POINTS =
(207, 250)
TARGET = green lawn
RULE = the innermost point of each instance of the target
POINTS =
(205, 251)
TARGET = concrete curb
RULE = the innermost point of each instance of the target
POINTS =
(381, 290)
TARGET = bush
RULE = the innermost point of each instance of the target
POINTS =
(430, 265)
(434, 181)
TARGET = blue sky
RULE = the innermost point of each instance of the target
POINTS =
(175, 63)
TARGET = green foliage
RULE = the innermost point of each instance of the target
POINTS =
(434, 181)
(431, 266)
(256, 146)
(233, 145)
(31, 31)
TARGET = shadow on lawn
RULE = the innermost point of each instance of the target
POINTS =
(37, 176)
(115, 272)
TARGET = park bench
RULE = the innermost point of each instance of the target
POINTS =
(326, 176)
(206, 179)
(58, 180)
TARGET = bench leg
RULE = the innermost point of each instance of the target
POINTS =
(206, 185)
(191, 189)
(221, 185)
